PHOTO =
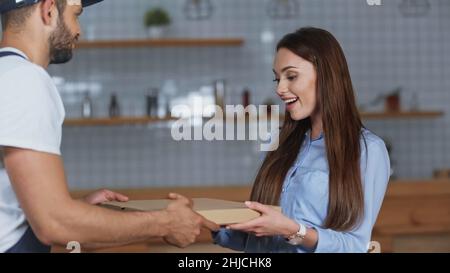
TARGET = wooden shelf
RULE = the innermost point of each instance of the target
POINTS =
(401, 115)
(168, 42)
(380, 115)
(145, 120)
(113, 121)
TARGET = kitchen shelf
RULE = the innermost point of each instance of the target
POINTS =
(166, 42)
(401, 115)
(113, 121)
(381, 115)
(145, 120)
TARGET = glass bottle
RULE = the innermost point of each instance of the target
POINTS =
(86, 110)
(220, 93)
(246, 97)
(114, 108)
(152, 103)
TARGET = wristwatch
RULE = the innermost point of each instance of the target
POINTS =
(298, 237)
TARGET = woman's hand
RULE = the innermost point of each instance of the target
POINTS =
(270, 223)
(101, 196)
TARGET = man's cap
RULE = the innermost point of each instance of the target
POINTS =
(8, 5)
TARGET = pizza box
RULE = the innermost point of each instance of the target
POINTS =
(221, 212)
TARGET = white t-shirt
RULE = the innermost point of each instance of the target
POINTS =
(31, 117)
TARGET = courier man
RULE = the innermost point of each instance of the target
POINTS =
(36, 209)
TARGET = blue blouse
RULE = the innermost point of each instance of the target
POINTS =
(304, 198)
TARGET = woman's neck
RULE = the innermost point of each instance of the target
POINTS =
(316, 126)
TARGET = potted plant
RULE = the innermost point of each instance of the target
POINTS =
(156, 20)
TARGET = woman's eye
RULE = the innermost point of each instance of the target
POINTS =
(277, 81)
(291, 78)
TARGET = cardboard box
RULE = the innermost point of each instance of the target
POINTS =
(221, 212)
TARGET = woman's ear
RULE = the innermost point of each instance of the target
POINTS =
(49, 11)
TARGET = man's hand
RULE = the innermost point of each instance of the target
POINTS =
(184, 224)
(39, 177)
(101, 196)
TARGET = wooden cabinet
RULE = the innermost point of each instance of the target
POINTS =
(415, 217)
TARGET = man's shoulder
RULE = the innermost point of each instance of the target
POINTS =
(24, 71)
(25, 76)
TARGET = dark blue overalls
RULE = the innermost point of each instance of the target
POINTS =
(28, 243)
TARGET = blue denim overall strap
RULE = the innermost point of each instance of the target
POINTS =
(8, 53)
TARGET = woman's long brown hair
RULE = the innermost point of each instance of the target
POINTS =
(341, 128)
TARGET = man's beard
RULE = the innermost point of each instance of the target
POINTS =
(61, 41)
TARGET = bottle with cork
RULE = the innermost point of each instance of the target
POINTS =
(114, 108)
(246, 97)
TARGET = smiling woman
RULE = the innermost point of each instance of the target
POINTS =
(329, 174)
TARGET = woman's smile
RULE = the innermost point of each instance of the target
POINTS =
(291, 103)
